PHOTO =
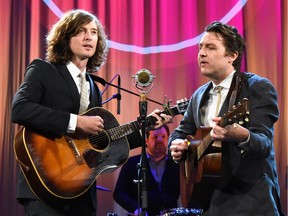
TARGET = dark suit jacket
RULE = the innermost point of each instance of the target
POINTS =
(126, 192)
(43, 104)
(249, 182)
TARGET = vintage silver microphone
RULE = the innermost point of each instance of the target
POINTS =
(143, 79)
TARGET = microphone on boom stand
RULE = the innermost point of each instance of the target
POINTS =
(118, 95)
(142, 82)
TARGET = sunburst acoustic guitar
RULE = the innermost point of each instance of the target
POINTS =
(66, 167)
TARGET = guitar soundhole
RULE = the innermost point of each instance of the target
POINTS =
(100, 141)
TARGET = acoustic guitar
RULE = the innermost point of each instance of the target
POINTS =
(66, 167)
(203, 155)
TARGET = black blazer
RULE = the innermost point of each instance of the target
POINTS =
(43, 104)
(249, 181)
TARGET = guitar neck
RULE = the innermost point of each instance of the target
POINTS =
(238, 113)
(126, 129)
(201, 149)
(207, 141)
(123, 130)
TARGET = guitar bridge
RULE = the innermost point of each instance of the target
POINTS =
(74, 149)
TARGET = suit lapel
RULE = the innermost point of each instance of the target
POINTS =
(233, 87)
(95, 94)
(202, 99)
(75, 96)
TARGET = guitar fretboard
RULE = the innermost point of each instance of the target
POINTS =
(126, 129)
(206, 142)
(237, 114)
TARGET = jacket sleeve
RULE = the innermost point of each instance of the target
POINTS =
(264, 112)
(28, 105)
(187, 125)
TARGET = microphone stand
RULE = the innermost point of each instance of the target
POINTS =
(144, 160)
(143, 165)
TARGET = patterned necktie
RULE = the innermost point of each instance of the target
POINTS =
(218, 90)
(84, 96)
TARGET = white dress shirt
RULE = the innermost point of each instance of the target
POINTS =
(75, 72)
(211, 104)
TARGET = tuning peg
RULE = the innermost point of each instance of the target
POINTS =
(166, 104)
(165, 99)
(182, 100)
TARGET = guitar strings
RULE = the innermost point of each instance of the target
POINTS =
(104, 138)
(98, 141)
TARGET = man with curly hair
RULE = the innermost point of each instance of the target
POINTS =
(48, 103)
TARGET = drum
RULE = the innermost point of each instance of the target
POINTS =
(181, 212)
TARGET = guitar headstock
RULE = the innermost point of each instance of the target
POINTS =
(180, 108)
(182, 105)
(238, 114)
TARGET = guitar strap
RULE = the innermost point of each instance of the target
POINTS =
(235, 89)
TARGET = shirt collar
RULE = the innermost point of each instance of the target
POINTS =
(73, 69)
(164, 158)
(226, 82)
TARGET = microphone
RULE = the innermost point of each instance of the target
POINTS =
(118, 95)
(143, 78)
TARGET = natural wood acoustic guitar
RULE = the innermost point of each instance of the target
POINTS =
(204, 156)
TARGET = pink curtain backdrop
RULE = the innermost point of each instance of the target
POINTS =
(158, 35)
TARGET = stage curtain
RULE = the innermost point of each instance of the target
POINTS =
(158, 35)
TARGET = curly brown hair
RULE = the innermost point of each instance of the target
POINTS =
(233, 41)
(57, 40)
